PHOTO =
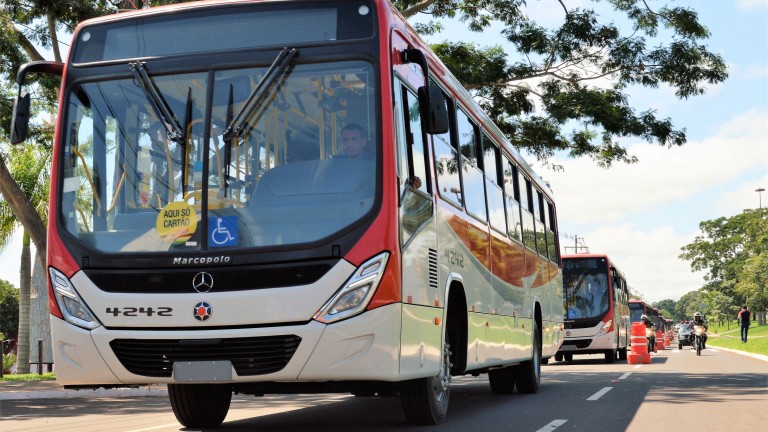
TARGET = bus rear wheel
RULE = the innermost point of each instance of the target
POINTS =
(529, 372)
(425, 400)
(200, 405)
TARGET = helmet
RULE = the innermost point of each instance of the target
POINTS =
(644, 317)
(697, 315)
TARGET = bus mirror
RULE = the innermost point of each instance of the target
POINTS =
(20, 119)
(20, 115)
(436, 113)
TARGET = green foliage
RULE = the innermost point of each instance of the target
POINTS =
(9, 310)
(578, 72)
(734, 253)
(8, 361)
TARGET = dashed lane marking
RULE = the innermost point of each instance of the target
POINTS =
(599, 394)
(625, 375)
(554, 424)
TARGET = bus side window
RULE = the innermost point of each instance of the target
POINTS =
(512, 196)
(447, 164)
(471, 168)
(526, 214)
(538, 211)
(412, 163)
(552, 244)
(493, 184)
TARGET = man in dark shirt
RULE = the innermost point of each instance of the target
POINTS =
(743, 318)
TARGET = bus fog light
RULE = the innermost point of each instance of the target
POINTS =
(73, 308)
(353, 297)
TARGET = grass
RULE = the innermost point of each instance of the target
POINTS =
(722, 336)
(29, 377)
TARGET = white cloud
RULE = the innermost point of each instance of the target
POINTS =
(588, 194)
(752, 4)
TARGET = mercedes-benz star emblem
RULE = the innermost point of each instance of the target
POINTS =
(202, 282)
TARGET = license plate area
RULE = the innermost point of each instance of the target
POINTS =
(202, 371)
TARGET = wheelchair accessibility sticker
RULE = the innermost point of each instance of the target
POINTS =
(222, 231)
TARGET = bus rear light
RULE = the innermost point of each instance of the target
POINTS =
(356, 293)
(605, 328)
(73, 308)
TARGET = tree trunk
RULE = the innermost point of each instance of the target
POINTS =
(25, 212)
(22, 359)
(40, 315)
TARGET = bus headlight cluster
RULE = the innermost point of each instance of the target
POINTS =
(73, 308)
(605, 328)
(353, 297)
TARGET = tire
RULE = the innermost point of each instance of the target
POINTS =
(502, 380)
(425, 400)
(679, 345)
(200, 406)
(698, 346)
(610, 356)
(623, 354)
(529, 372)
(558, 357)
(568, 357)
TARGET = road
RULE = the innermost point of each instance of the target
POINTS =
(717, 391)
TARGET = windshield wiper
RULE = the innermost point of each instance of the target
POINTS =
(275, 71)
(159, 105)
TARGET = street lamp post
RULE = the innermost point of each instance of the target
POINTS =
(760, 197)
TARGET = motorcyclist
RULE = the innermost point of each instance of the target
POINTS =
(652, 334)
(698, 320)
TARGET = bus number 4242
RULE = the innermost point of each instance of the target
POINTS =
(136, 311)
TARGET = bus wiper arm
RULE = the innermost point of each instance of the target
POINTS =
(274, 72)
(160, 106)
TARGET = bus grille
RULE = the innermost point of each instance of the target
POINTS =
(249, 356)
(228, 279)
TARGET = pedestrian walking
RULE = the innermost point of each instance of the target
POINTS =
(743, 318)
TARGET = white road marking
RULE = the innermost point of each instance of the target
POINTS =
(625, 375)
(638, 366)
(599, 394)
(554, 424)
(713, 350)
(155, 427)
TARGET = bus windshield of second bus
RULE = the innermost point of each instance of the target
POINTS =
(585, 283)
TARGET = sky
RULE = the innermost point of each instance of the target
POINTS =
(641, 214)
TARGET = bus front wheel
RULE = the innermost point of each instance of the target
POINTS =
(200, 405)
(425, 400)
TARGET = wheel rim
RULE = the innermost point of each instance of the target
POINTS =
(442, 382)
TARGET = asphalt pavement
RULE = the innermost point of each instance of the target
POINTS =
(19, 390)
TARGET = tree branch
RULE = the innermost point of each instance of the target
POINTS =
(54, 37)
(28, 47)
(418, 7)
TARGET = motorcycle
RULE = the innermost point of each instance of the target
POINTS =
(650, 336)
(699, 335)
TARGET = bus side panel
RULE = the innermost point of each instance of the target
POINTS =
(421, 341)
(553, 311)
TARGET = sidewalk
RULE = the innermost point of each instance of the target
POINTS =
(19, 390)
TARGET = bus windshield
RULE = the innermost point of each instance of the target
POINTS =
(585, 284)
(636, 310)
(147, 172)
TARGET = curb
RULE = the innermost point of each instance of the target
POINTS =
(744, 353)
(84, 393)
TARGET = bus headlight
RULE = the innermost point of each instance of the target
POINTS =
(353, 297)
(605, 328)
(73, 308)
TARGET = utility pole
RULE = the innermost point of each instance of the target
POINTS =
(578, 244)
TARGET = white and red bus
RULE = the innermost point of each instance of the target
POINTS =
(596, 296)
(212, 227)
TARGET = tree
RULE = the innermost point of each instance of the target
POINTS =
(719, 306)
(689, 304)
(578, 72)
(9, 309)
(733, 252)
(668, 306)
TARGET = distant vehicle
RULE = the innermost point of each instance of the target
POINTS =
(597, 312)
(683, 335)
(638, 308)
